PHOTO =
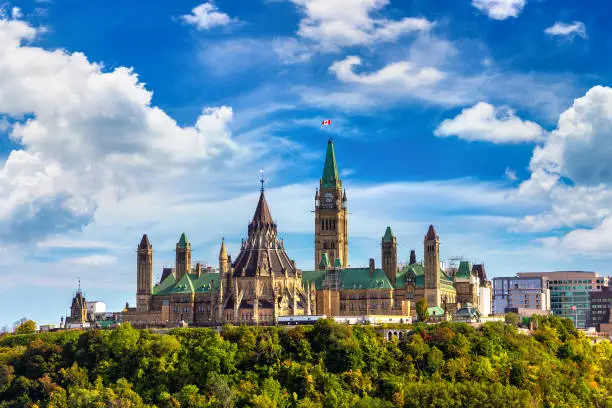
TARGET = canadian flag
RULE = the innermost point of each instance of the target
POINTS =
(573, 307)
(326, 122)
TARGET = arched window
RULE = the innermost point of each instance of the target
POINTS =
(324, 245)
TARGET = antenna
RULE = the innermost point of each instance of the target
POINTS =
(262, 180)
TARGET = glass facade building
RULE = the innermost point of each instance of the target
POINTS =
(570, 293)
(520, 293)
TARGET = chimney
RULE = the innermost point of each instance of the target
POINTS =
(412, 257)
(198, 270)
(372, 266)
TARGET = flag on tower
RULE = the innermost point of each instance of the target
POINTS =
(573, 307)
(326, 122)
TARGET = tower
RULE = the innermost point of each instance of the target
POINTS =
(331, 223)
(144, 262)
(432, 267)
(389, 255)
(183, 257)
(223, 259)
(78, 308)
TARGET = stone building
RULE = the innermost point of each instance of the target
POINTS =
(263, 283)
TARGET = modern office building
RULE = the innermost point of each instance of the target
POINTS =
(526, 293)
(570, 292)
(601, 307)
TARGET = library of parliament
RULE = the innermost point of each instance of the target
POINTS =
(263, 283)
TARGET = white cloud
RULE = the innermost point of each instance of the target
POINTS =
(337, 24)
(291, 51)
(485, 122)
(93, 260)
(510, 174)
(92, 135)
(16, 13)
(206, 16)
(572, 173)
(577, 28)
(500, 9)
(403, 73)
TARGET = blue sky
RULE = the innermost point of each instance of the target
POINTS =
(490, 119)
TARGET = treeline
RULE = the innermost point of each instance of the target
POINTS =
(325, 365)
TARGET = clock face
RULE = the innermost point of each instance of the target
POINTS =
(328, 198)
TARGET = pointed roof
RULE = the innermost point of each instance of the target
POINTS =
(388, 235)
(144, 242)
(324, 264)
(330, 169)
(337, 263)
(431, 234)
(183, 243)
(223, 251)
(262, 214)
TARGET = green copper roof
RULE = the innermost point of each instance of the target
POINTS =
(206, 283)
(337, 263)
(183, 286)
(416, 273)
(388, 235)
(330, 170)
(314, 277)
(183, 241)
(324, 261)
(464, 271)
(435, 311)
(352, 278)
(162, 287)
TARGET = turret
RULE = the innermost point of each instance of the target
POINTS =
(183, 257)
(389, 255)
(144, 286)
(223, 258)
(432, 267)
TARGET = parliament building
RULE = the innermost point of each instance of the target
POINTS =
(263, 283)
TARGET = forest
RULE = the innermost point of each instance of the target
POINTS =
(324, 365)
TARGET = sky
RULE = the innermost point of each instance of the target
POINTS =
(490, 119)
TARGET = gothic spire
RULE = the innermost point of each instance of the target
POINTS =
(223, 251)
(144, 242)
(330, 169)
(388, 235)
(431, 234)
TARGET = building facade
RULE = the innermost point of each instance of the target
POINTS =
(525, 293)
(263, 283)
(601, 308)
(570, 292)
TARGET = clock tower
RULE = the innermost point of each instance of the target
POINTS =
(331, 224)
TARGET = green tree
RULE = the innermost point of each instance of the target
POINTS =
(27, 327)
(512, 319)
(421, 310)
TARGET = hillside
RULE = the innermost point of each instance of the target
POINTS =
(326, 365)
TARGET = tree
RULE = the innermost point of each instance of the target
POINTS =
(421, 310)
(512, 319)
(27, 327)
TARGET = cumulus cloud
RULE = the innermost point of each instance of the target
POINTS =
(573, 174)
(485, 122)
(90, 134)
(206, 16)
(577, 28)
(403, 73)
(500, 9)
(337, 24)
